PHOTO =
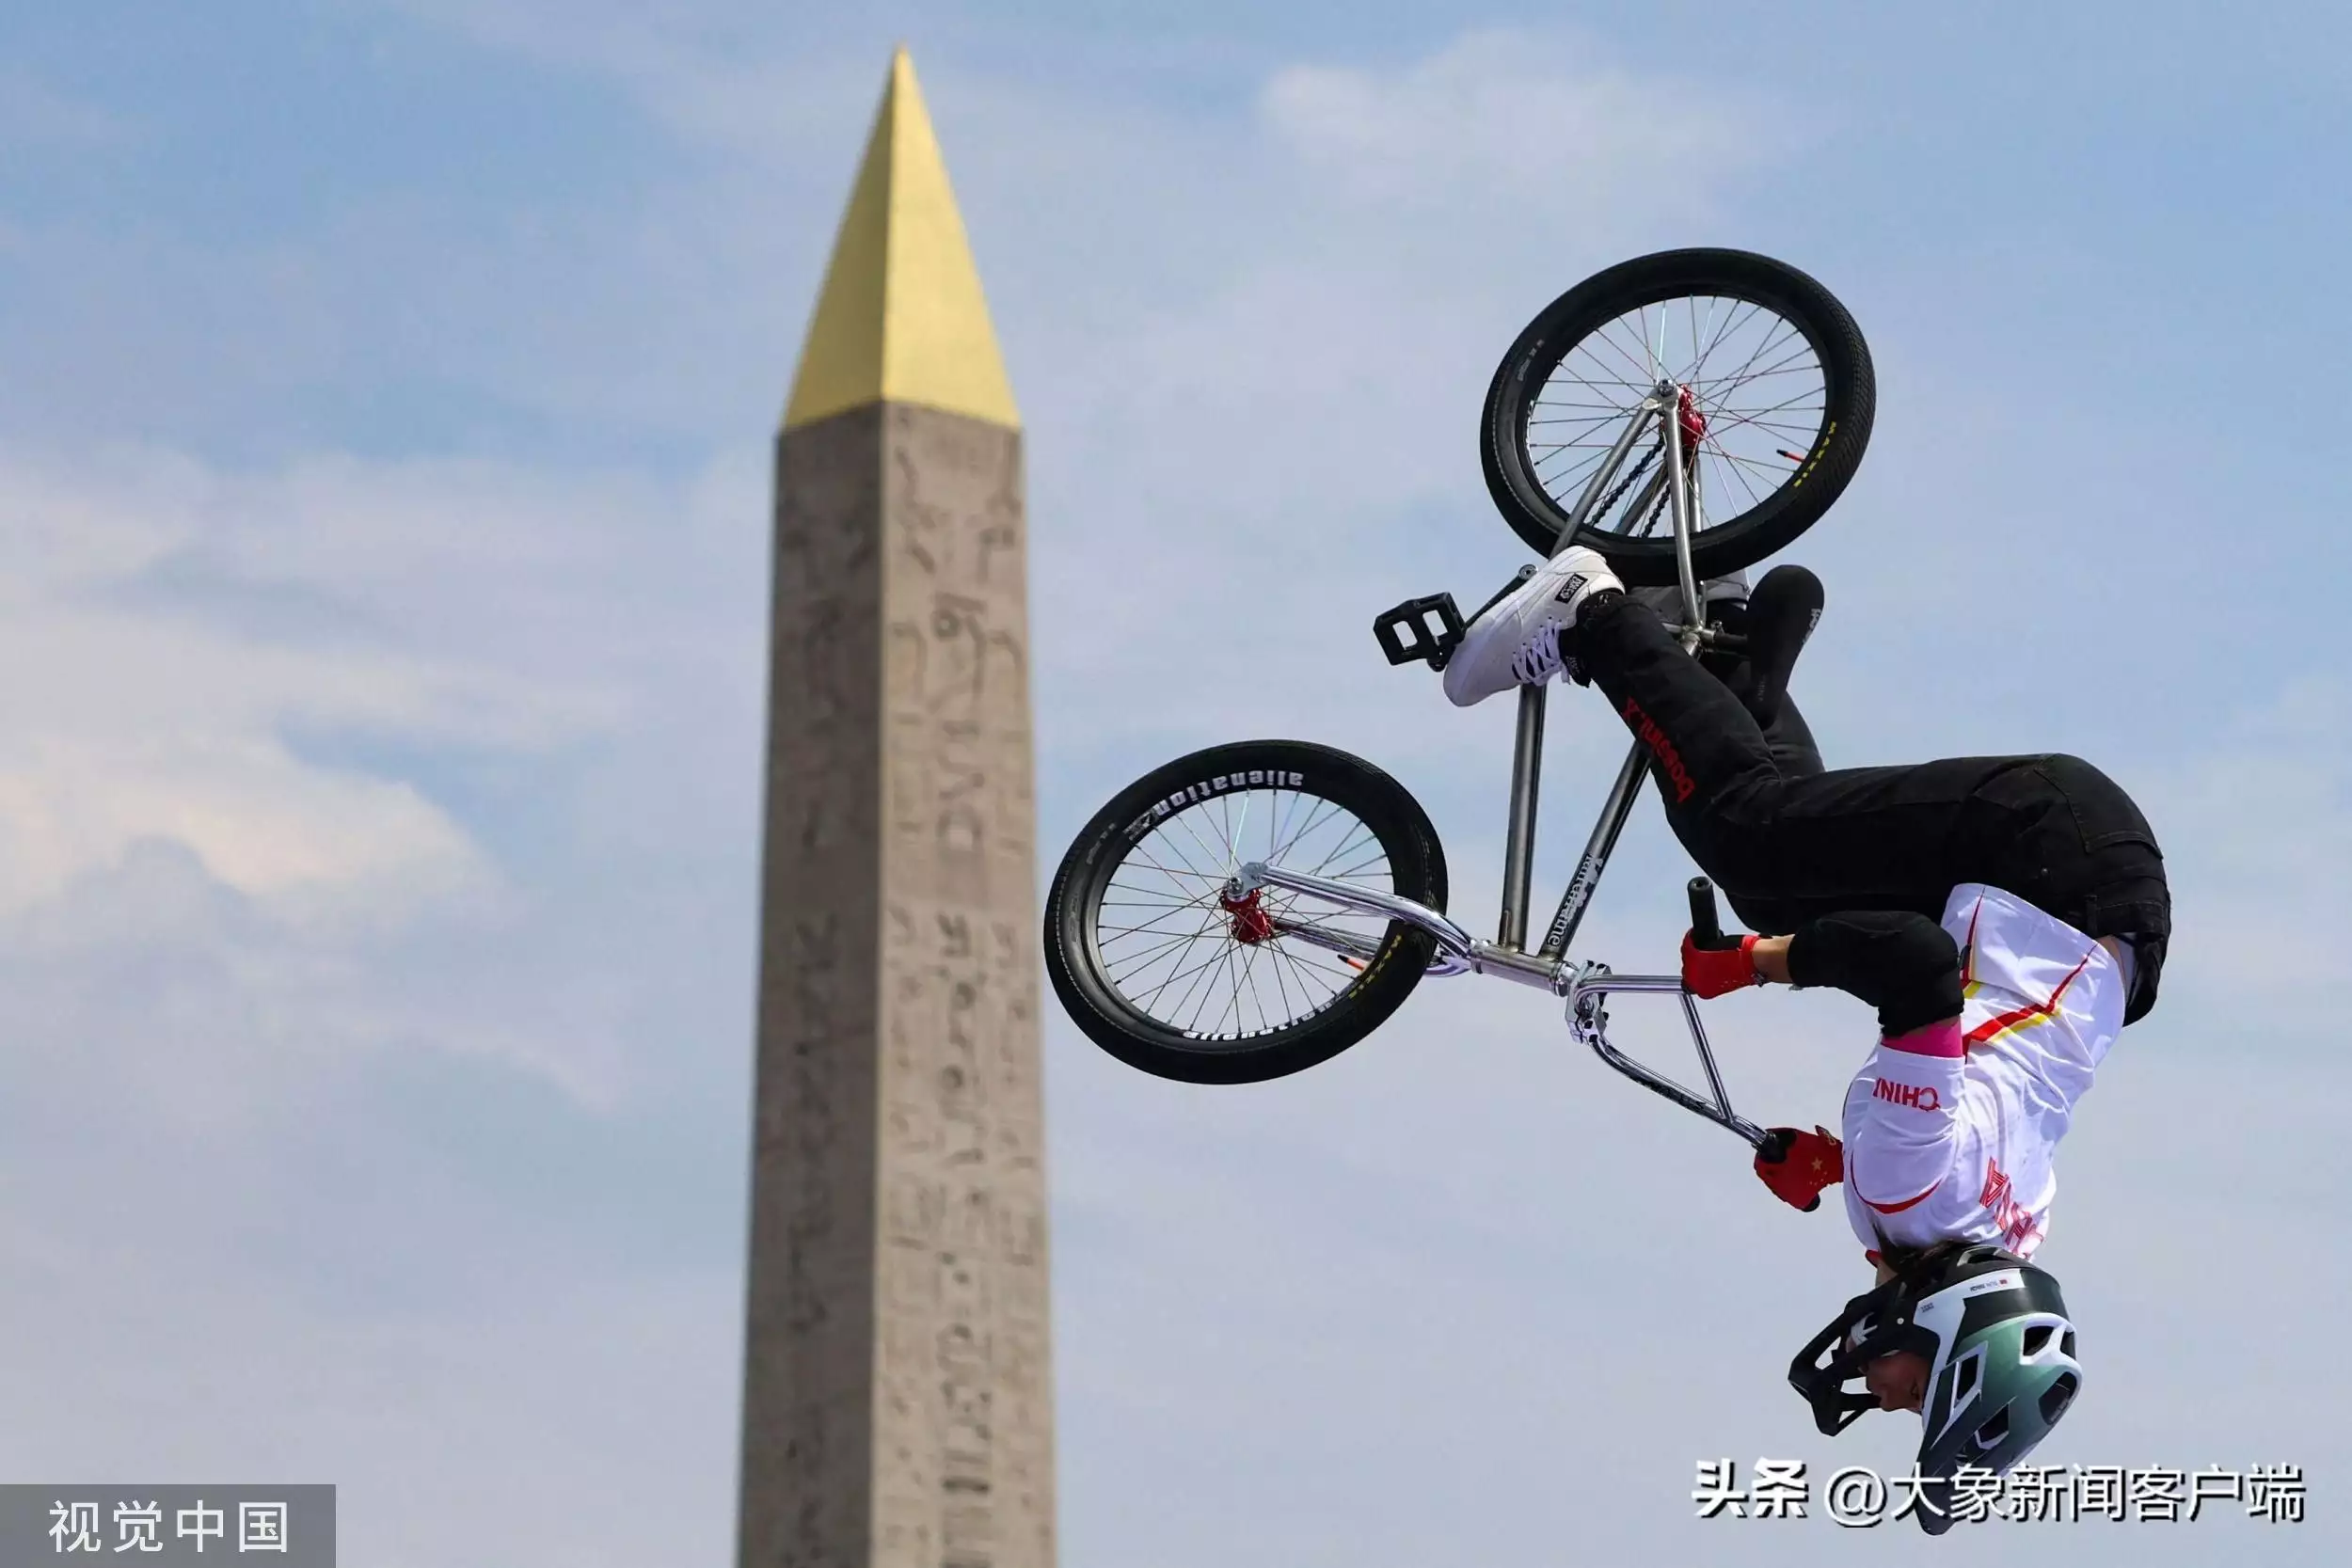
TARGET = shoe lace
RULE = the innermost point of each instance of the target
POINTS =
(1539, 659)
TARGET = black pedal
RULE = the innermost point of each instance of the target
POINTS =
(1429, 628)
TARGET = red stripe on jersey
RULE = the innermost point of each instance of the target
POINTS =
(1907, 1203)
(2019, 1016)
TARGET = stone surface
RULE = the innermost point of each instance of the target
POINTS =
(898, 1405)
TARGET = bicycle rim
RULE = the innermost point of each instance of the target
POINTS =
(1176, 946)
(1752, 395)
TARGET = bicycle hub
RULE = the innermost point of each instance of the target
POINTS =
(1252, 923)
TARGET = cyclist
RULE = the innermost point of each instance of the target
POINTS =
(2005, 916)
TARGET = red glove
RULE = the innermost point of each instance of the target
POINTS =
(1718, 971)
(1797, 1165)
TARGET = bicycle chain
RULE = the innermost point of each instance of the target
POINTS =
(1627, 483)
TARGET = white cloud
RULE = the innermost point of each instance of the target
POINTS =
(1541, 128)
(169, 627)
(296, 728)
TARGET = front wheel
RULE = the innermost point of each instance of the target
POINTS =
(1160, 963)
(1773, 394)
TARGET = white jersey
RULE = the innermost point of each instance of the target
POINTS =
(1950, 1131)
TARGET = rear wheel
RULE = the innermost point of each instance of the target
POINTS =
(1773, 394)
(1163, 965)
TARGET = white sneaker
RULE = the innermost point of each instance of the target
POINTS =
(1516, 640)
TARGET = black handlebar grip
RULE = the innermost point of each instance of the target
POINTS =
(1707, 927)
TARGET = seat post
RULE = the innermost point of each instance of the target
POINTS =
(1519, 844)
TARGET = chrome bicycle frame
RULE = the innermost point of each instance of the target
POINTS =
(1584, 985)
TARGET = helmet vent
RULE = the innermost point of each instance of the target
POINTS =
(2059, 1395)
(1994, 1431)
(2038, 1340)
(2066, 1346)
(1965, 1375)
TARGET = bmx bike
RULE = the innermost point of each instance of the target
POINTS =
(1254, 909)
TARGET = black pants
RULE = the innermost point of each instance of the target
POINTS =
(1787, 841)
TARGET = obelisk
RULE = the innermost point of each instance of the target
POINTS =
(897, 1403)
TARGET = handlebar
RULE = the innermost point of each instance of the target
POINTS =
(1707, 927)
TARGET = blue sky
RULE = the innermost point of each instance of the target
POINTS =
(385, 392)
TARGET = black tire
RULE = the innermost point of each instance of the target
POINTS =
(1287, 782)
(1817, 470)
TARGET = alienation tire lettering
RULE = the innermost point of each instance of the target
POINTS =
(1256, 778)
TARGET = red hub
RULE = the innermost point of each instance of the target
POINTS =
(1252, 925)
(1693, 422)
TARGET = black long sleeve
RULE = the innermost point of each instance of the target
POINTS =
(1903, 964)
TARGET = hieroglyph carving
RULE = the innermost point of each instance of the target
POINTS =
(962, 1257)
(897, 1400)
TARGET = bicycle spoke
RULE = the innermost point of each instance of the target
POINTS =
(1726, 351)
(1217, 954)
(1739, 472)
(1207, 921)
(1220, 977)
(1739, 420)
(1280, 850)
(1345, 848)
(1800, 433)
(1770, 343)
(1803, 364)
(1309, 979)
(1248, 973)
(1137, 963)
(1779, 470)
(1182, 957)
(1732, 323)
(1273, 834)
(1633, 391)
(1153, 926)
(1280, 983)
(1640, 390)
(1182, 818)
(1795, 362)
(1187, 871)
(1640, 369)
